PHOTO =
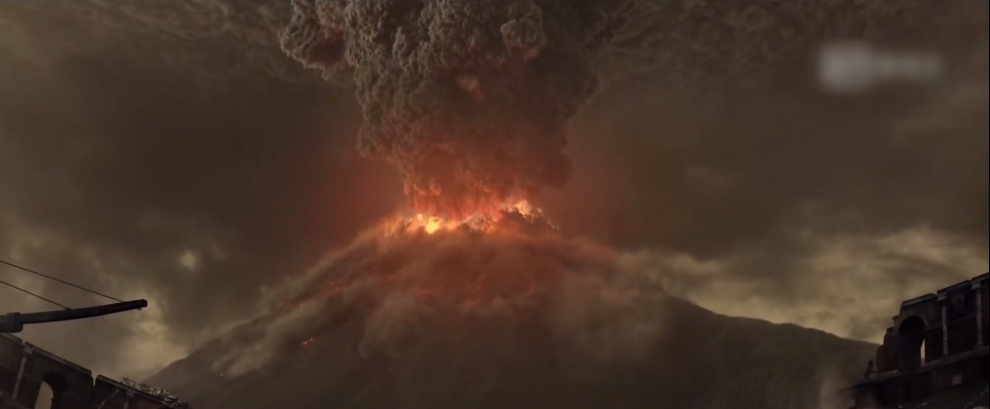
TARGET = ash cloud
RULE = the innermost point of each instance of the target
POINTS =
(133, 134)
(708, 142)
(468, 100)
(721, 146)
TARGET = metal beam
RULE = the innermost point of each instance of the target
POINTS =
(15, 322)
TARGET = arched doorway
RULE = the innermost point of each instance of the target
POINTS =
(52, 390)
(911, 338)
(45, 396)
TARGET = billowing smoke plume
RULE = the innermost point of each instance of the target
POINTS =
(467, 99)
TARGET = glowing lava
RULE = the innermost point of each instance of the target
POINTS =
(485, 222)
(520, 222)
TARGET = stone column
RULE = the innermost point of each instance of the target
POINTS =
(20, 372)
(978, 287)
(127, 402)
(945, 326)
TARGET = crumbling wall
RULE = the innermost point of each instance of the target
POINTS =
(984, 285)
(71, 383)
(11, 350)
(109, 394)
(951, 316)
(25, 367)
(925, 307)
(961, 318)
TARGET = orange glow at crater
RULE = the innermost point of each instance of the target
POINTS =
(485, 221)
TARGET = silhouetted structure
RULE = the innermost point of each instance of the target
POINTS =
(25, 367)
(935, 356)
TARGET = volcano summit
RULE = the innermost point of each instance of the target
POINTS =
(518, 316)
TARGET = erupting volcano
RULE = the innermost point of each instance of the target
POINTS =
(470, 297)
(492, 311)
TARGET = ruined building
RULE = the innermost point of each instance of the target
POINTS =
(25, 367)
(935, 356)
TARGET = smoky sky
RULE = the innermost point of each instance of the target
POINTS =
(468, 100)
(116, 165)
(170, 150)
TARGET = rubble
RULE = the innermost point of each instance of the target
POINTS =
(165, 396)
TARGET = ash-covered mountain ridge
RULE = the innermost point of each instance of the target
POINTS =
(713, 361)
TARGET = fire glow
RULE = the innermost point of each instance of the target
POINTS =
(484, 222)
(521, 220)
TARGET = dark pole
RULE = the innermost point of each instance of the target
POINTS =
(15, 322)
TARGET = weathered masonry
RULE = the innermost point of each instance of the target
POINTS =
(935, 356)
(25, 367)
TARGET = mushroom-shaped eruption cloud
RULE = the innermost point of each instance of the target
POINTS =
(467, 99)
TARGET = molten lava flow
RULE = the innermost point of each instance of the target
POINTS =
(484, 221)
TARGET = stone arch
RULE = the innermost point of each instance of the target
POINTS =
(45, 395)
(58, 385)
(910, 339)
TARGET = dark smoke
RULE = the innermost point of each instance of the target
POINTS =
(468, 99)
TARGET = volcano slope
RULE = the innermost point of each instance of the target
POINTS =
(516, 317)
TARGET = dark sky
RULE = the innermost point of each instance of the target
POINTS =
(168, 150)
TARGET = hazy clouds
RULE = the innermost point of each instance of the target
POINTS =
(169, 150)
(121, 153)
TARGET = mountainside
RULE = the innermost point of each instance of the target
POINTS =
(708, 361)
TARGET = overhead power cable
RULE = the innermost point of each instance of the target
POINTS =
(31, 294)
(58, 280)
